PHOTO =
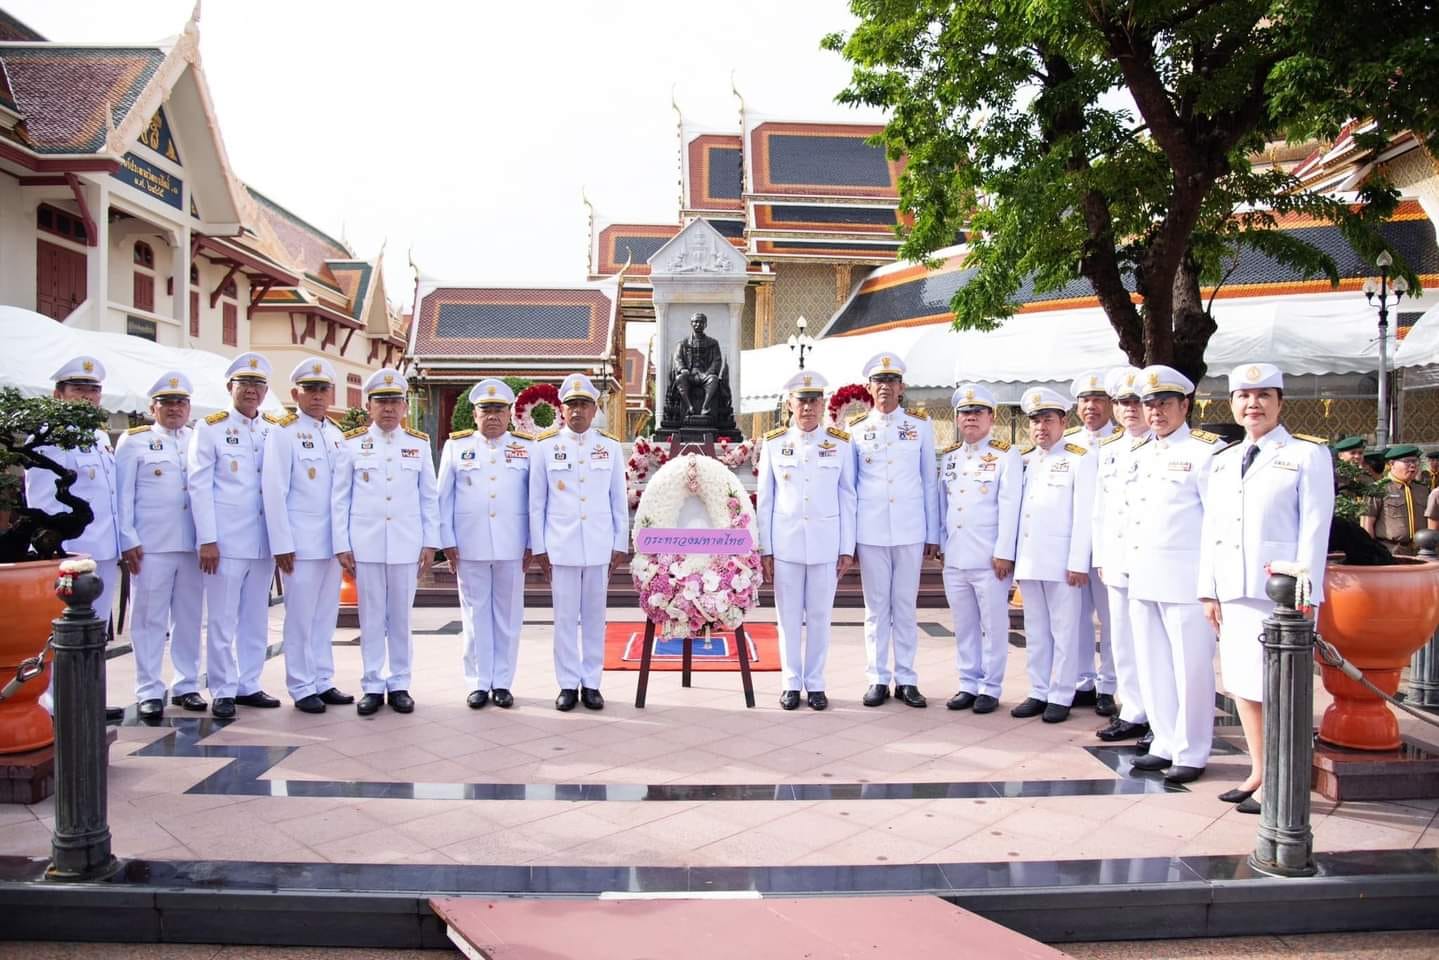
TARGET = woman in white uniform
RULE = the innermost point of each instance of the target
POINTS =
(1270, 497)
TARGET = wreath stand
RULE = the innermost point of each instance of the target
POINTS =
(741, 641)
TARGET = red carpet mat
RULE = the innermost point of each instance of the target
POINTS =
(624, 644)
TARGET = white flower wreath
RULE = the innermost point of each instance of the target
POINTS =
(683, 593)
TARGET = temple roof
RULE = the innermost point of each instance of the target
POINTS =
(636, 368)
(820, 159)
(63, 91)
(633, 242)
(712, 172)
(12, 29)
(497, 325)
(306, 243)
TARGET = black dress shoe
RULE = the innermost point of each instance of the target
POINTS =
(1145, 742)
(503, 698)
(910, 696)
(591, 698)
(817, 700)
(1150, 761)
(1248, 805)
(477, 699)
(1105, 706)
(370, 703)
(1085, 698)
(875, 695)
(961, 701)
(223, 708)
(566, 700)
(1055, 713)
(114, 715)
(1122, 730)
(310, 704)
(190, 701)
(150, 709)
(257, 699)
(336, 697)
(984, 703)
(1183, 774)
(1236, 795)
(789, 700)
(1031, 707)
(401, 701)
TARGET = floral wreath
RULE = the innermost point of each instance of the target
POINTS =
(533, 397)
(648, 456)
(684, 593)
(847, 401)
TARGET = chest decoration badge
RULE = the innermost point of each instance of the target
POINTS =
(559, 484)
(157, 444)
(311, 473)
(908, 431)
(828, 449)
(367, 444)
(409, 453)
(560, 456)
(467, 454)
(516, 451)
(1059, 466)
(786, 451)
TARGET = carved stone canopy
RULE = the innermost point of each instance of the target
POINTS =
(698, 250)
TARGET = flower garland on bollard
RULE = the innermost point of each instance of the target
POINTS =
(683, 593)
(532, 398)
(845, 402)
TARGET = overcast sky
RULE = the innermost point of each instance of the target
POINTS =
(466, 131)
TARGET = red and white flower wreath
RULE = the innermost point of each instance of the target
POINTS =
(532, 398)
(846, 402)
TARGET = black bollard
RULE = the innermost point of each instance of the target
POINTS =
(1285, 845)
(80, 845)
(1423, 687)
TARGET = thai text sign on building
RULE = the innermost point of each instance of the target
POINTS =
(148, 178)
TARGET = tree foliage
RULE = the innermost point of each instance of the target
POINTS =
(1110, 141)
(27, 426)
(464, 416)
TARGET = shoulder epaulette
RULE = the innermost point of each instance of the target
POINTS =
(460, 434)
(918, 414)
(1116, 435)
(286, 420)
(1000, 445)
(856, 418)
(1075, 448)
(606, 433)
(418, 435)
(552, 431)
(838, 434)
(218, 417)
(951, 448)
(1072, 431)
(335, 423)
(352, 434)
(776, 432)
(1139, 443)
(1027, 450)
(140, 429)
(274, 418)
(521, 434)
(1312, 439)
(1204, 436)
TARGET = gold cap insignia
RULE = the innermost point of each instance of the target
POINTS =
(89, 366)
(174, 382)
(808, 380)
(317, 369)
(490, 392)
(389, 378)
(1154, 379)
(884, 362)
(969, 394)
(1129, 379)
(1252, 373)
(1094, 381)
(254, 363)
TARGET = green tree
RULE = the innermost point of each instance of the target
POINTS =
(464, 416)
(1110, 140)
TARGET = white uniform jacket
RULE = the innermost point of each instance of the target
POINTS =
(95, 483)
(154, 498)
(1166, 515)
(980, 487)
(385, 508)
(298, 480)
(895, 479)
(1054, 530)
(806, 495)
(227, 452)
(579, 512)
(485, 495)
(1279, 510)
(1113, 488)
(1081, 437)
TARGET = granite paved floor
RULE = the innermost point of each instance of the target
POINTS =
(702, 735)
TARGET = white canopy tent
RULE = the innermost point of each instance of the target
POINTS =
(36, 346)
(1420, 346)
(1302, 334)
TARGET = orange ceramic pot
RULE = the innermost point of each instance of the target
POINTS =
(1377, 617)
(349, 596)
(27, 595)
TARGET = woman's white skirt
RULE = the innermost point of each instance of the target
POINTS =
(1241, 647)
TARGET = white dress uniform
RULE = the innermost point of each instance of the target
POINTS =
(980, 488)
(897, 515)
(1278, 509)
(805, 518)
(1112, 491)
(301, 454)
(484, 492)
(1054, 539)
(385, 511)
(1173, 644)
(155, 515)
(579, 517)
(1093, 600)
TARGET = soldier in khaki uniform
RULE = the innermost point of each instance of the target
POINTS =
(1394, 518)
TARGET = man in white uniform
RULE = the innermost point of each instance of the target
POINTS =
(1052, 559)
(297, 483)
(1172, 641)
(386, 525)
(485, 529)
(897, 526)
(981, 481)
(1096, 424)
(579, 531)
(805, 518)
(157, 539)
(1112, 494)
(226, 456)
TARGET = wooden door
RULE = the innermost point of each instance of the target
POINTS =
(59, 280)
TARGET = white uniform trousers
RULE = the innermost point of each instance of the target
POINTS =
(168, 598)
(890, 577)
(1126, 668)
(1050, 639)
(804, 604)
(109, 573)
(385, 594)
(312, 604)
(1094, 600)
(580, 607)
(237, 624)
(492, 608)
(1175, 649)
(979, 603)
